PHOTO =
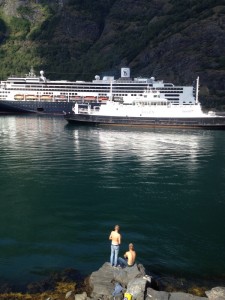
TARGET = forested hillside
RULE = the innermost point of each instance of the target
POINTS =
(172, 40)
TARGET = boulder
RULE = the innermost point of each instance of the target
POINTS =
(82, 296)
(184, 296)
(125, 275)
(102, 282)
(137, 287)
(156, 295)
(121, 276)
(217, 293)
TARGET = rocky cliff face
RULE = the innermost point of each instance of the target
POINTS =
(74, 39)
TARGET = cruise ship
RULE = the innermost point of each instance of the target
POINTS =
(37, 94)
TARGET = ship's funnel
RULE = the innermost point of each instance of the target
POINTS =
(125, 72)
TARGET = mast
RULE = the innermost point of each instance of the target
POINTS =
(197, 87)
(111, 94)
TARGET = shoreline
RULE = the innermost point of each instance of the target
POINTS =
(66, 278)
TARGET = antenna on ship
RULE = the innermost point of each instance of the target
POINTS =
(31, 73)
(197, 87)
(111, 94)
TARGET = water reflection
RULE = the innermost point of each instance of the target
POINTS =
(64, 187)
(153, 147)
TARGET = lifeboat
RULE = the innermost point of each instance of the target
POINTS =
(60, 98)
(46, 97)
(31, 97)
(19, 97)
(76, 98)
(90, 98)
(103, 98)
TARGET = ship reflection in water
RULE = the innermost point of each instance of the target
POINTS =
(149, 147)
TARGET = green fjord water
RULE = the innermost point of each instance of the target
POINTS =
(63, 188)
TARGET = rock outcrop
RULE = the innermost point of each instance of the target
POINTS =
(103, 281)
(134, 281)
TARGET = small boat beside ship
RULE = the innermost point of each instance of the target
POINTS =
(147, 109)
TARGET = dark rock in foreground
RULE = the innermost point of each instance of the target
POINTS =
(133, 280)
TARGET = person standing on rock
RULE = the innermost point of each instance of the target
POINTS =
(129, 256)
(115, 237)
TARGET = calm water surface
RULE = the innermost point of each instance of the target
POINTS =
(63, 188)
